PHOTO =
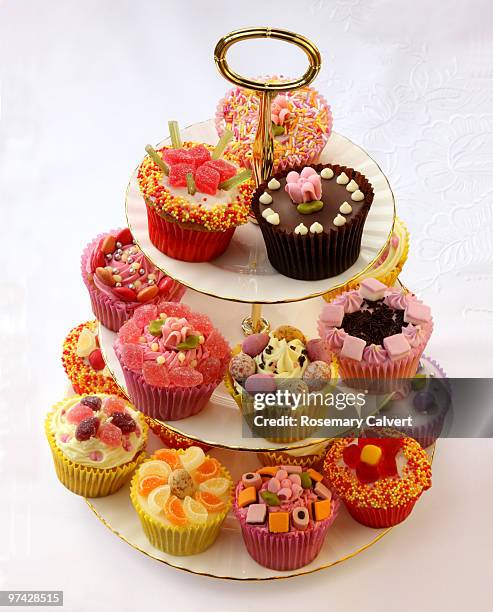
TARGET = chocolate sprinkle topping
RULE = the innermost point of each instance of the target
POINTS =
(374, 322)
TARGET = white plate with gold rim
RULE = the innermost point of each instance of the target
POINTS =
(243, 273)
(228, 558)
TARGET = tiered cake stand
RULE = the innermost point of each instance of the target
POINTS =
(222, 288)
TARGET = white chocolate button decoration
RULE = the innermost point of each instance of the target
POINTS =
(265, 198)
(316, 228)
(352, 186)
(274, 184)
(342, 179)
(273, 219)
(327, 173)
(339, 220)
(267, 212)
(345, 208)
(301, 229)
(357, 196)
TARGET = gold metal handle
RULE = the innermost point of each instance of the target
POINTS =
(263, 146)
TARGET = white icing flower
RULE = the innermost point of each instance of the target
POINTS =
(352, 186)
(265, 198)
(274, 184)
(339, 220)
(342, 179)
(345, 208)
(301, 229)
(316, 228)
(327, 173)
(357, 196)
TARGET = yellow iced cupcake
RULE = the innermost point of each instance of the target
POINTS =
(389, 265)
(96, 442)
(182, 498)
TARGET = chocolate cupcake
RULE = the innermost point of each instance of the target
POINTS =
(312, 219)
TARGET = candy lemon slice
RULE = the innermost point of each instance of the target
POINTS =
(192, 458)
(194, 510)
(217, 486)
(155, 468)
(158, 498)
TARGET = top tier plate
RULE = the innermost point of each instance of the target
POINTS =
(243, 273)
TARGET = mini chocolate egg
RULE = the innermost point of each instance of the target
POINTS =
(241, 367)
(317, 375)
(181, 484)
(260, 383)
(253, 345)
(288, 332)
(318, 350)
(424, 402)
(300, 518)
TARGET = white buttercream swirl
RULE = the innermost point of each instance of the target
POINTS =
(282, 358)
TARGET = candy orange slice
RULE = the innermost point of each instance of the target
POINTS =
(170, 456)
(149, 483)
(173, 511)
(208, 469)
(211, 502)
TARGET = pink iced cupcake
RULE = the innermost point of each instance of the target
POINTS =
(376, 332)
(284, 514)
(120, 278)
(172, 360)
(301, 124)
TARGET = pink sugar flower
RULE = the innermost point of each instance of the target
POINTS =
(304, 187)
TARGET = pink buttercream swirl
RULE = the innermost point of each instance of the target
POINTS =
(375, 354)
(280, 111)
(174, 331)
(304, 187)
(333, 336)
(351, 301)
(414, 334)
(394, 298)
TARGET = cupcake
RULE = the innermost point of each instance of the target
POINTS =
(120, 279)
(84, 364)
(301, 124)
(195, 199)
(96, 442)
(379, 479)
(376, 332)
(172, 360)
(388, 266)
(182, 498)
(284, 514)
(171, 438)
(282, 360)
(312, 219)
(311, 456)
(426, 399)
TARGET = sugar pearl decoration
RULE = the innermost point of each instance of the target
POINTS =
(274, 184)
(154, 346)
(265, 198)
(327, 173)
(273, 219)
(339, 220)
(160, 359)
(267, 212)
(301, 229)
(352, 186)
(316, 228)
(342, 179)
(181, 357)
(201, 339)
(345, 208)
(357, 196)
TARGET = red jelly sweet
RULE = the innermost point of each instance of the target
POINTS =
(184, 376)
(210, 369)
(144, 314)
(155, 374)
(217, 345)
(130, 331)
(199, 154)
(177, 156)
(178, 174)
(110, 434)
(207, 179)
(133, 356)
(225, 169)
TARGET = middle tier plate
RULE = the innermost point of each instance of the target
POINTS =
(221, 423)
(243, 273)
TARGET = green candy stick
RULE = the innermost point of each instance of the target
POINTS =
(235, 180)
(222, 144)
(191, 184)
(156, 159)
(174, 132)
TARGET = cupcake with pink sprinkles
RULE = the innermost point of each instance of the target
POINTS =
(301, 124)
(172, 360)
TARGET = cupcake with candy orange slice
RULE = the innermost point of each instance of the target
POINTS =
(84, 364)
(196, 196)
(379, 479)
(182, 498)
(120, 278)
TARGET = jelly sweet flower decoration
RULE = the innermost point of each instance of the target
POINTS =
(373, 458)
(280, 111)
(305, 186)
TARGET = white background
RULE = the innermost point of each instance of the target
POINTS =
(84, 86)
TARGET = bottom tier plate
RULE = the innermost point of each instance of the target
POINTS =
(228, 558)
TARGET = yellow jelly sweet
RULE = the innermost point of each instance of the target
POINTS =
(371, 454)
